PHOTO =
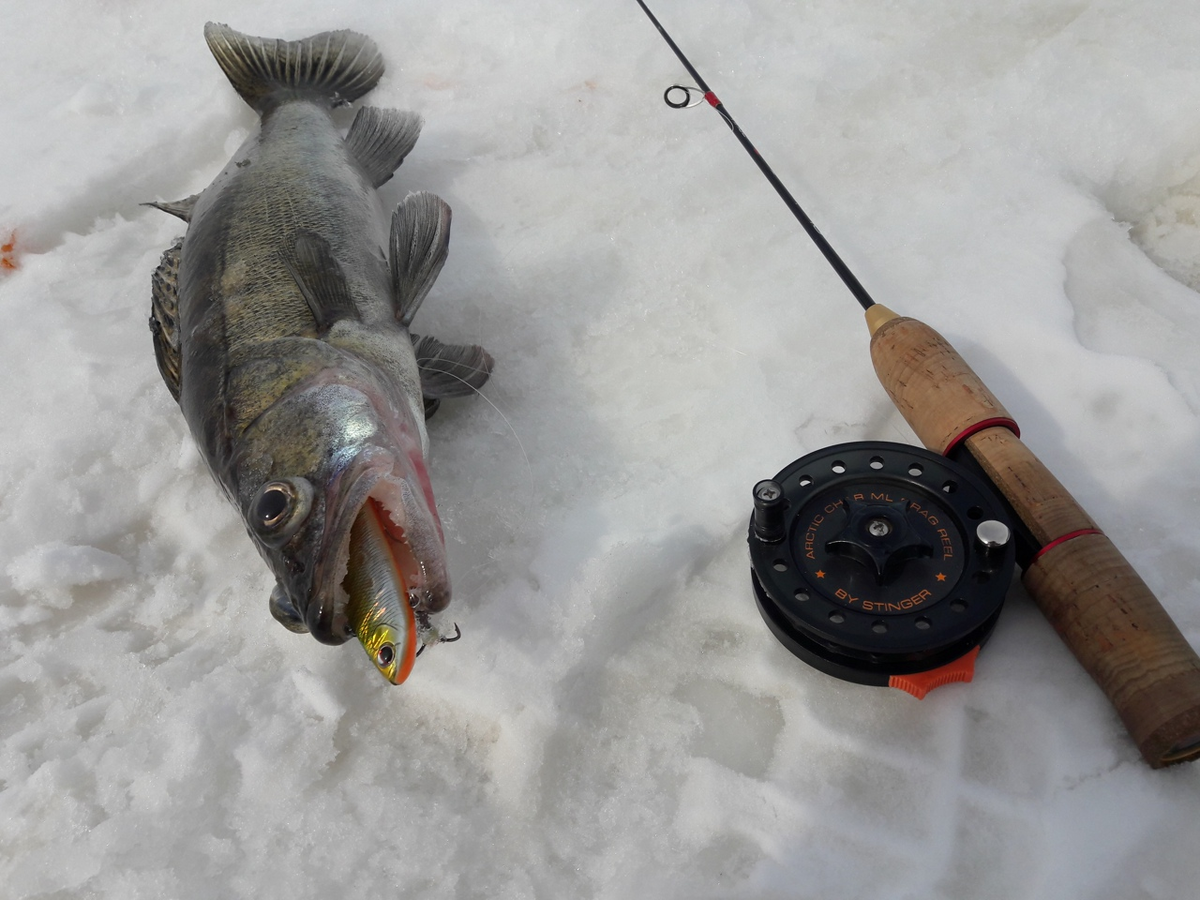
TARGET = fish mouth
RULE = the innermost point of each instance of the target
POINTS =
(399, 491)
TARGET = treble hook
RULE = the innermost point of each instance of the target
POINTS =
(692, 96)
(442, 639)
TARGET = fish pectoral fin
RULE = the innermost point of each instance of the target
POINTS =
(284, 612)
(320, 278)
(420, 240)
(381, 138)
(164, 317)
(450, 370)
(181, 209)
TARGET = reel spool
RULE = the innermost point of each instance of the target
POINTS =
(881, 563)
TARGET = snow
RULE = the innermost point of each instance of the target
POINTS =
(616, 721)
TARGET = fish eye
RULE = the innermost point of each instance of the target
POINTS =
(279, 508)
(274, 502)
(385, 655)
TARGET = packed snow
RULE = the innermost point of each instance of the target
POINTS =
(616, 721)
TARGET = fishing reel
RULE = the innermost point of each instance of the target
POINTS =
(881, 563)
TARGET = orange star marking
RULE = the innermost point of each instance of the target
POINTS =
(941, 577)
(820, 573)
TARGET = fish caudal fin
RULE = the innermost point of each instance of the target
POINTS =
(340, 66)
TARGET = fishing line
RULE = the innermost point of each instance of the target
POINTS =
(488, 401)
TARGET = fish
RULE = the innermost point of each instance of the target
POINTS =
(281, 327)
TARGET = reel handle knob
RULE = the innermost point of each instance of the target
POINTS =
(769, 506)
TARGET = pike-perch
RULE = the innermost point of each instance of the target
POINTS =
(280, 325)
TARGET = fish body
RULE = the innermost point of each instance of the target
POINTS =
(280, 325)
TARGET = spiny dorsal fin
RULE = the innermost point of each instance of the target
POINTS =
(317, 273)
(450, 370)
(164, 317)
(419, 243)
(338, 65)
(381, 138)
(181, 209)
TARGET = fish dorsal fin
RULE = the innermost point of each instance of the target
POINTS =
(450, 370)
(339, 66)
(181, 209)
(317, 273)
(164, 317)
(420, 241)
(381, 138)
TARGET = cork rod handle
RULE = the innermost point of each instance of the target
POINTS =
(1097, 603)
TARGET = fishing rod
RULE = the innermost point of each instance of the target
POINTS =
(887, 564)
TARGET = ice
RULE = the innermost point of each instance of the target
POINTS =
(616, 721)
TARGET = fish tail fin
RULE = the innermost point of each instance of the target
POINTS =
(339, 66)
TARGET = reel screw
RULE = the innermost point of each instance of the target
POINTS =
(769, 504)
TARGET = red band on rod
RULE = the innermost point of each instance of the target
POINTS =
(712, 99)
(998, 422)
(1062, 540)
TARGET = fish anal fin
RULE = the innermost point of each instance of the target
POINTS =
(319, 276)
(181, 209)
(450, 370)
(420, 240)
(164, 317)
(380, 139)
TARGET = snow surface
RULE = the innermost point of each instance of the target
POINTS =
(616, 721)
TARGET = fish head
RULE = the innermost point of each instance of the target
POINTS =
(307, 467)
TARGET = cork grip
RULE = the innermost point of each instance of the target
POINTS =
(1097, 603)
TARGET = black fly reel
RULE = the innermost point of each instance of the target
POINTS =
(877, 561)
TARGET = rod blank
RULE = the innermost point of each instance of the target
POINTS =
(831, 256)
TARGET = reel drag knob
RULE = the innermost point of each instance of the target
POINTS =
(879, 537)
